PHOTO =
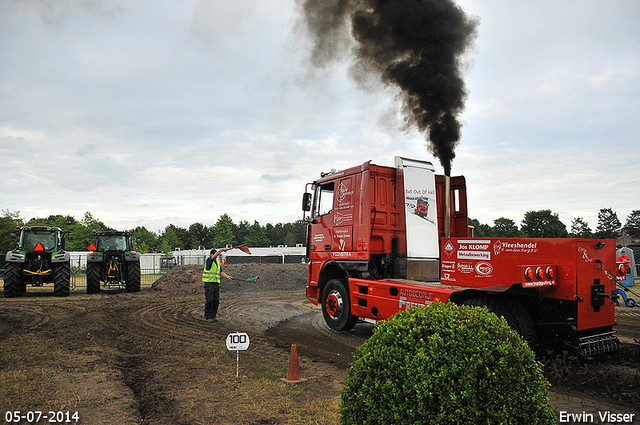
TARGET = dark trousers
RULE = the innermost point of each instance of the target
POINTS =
(212, 299)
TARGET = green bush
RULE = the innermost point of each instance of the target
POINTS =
(445, 364)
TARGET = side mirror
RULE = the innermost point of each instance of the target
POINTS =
(14, 235)
(306, 202)
(70, 236)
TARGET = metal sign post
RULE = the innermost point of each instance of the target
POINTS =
(237, 341)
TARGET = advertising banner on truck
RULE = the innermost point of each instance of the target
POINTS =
(420, 207)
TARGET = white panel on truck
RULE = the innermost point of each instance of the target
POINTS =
(420, 207)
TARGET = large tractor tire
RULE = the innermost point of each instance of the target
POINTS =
(61, 279)
(13, 280)
(336, 306)
(517, 317)
(132, 279)
(93, 278)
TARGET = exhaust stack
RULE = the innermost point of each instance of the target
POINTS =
(447, 206)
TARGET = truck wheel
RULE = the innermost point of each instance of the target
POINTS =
(93, 278)
(517, 317)
(336, 306)
(132, 280)
(12, 280)
(61, 279)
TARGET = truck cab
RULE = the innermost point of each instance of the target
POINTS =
(372, 221)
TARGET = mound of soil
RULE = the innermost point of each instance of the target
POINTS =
(185, 280)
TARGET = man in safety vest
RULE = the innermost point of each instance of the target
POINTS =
(211, 279)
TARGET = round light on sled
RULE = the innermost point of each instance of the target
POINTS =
(622, 269)
(528, 273)
(540, 273)
(550, 273)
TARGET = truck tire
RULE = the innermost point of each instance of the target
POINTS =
(61, 279)
(132, 279)
(336, 306)
(93, 278)
(12, 280)
(517, 317)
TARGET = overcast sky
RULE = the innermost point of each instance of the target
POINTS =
(147, 113)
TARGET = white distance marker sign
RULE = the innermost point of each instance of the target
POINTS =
(237, 341)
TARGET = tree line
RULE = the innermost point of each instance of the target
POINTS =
(546, 224)
(197, 236)
(535, 224)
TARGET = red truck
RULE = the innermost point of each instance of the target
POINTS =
(374, 250)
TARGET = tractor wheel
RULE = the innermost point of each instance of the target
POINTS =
(517, 317)
(93, 278)
(61, 279)
(132, 281)
(13, 280)
(336, 306)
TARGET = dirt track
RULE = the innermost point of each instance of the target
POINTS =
(151, 358)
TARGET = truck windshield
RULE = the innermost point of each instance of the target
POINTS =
(31, 239)
(323, 202)
(112, 243)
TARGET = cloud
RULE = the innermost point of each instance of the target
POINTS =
(278, 178)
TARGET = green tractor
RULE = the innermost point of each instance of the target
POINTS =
(39, 257)
(113, 262)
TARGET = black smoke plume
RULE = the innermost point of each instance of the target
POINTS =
(416, 45)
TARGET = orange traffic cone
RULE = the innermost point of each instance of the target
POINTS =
(293, 375)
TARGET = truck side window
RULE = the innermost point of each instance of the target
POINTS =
(323, 203)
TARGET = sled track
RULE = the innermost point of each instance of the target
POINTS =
(275, 318)
(183, 319)
(177, 320)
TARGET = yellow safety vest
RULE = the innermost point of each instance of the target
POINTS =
(213, 274)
